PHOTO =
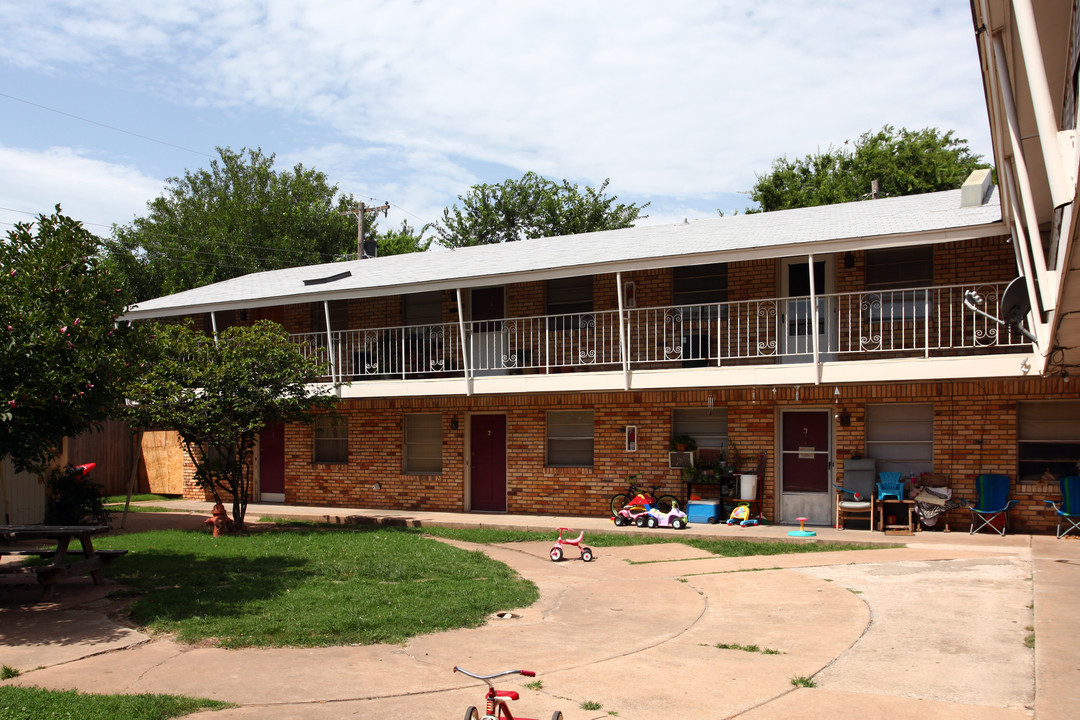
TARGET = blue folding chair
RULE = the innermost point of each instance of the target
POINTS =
(890, 485)
(1069, 508)
(991, 508)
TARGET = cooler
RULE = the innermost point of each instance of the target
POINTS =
(703, 511)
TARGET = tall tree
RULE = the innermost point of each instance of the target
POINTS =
(531, 207)
(405, 239)
(219, 393)
(903, 162)
(239, 216)
(63, 356)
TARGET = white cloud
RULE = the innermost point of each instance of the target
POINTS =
(418, 100)
(92, 191)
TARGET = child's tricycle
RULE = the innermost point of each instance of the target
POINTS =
(495, 707)
(557, 551)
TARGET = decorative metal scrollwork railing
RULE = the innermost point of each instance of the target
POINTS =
(908, 322)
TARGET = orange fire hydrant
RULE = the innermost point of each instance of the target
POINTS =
(219, 520)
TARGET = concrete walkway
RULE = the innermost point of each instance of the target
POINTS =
(933, 629)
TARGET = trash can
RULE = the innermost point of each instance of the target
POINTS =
(748, 487)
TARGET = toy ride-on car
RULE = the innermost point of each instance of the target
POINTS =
(674, 518)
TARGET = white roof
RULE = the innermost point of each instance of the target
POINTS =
(890, 222)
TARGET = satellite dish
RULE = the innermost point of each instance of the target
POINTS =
(1015, 304)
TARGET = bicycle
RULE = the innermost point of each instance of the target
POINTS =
(647, 496)
(495, 707)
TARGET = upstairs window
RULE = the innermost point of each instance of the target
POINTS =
(339, 316)
(423, 308)
(892, 273)
(569, 299)
(704, 288)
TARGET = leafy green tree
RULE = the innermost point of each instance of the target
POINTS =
(532, 207)
(64, 358)
(237, 217)
(404, 240)
(218, 394)
(903, 162)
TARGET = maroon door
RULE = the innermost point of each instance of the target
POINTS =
(806, 466)
(272, 463)
(487, 455)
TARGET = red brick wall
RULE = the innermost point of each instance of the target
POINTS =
(974, 432)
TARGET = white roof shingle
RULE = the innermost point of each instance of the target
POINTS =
(928, 218)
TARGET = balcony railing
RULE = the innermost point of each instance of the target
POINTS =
(914, 322)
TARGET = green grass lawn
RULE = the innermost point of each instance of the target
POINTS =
(138, 497)
(21, 703)
(301, 584)
(310, 586)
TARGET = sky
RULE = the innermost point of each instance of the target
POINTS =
(411, 102)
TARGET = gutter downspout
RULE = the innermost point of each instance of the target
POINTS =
(330, 341)
(814, 320)
(1041, 104)
(622, 332)
(213, 325)
(464, 346)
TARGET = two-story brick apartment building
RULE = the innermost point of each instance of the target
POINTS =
(535, 376)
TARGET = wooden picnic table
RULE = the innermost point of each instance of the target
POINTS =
(60, 565)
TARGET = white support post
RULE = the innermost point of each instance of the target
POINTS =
(213, 325)
(622, 332)
(1043, 107)
(330, 342)
(464, 345)
(1021, 181)
(814, 322)
(1022, 246)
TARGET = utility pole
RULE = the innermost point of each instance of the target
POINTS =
(361, 212)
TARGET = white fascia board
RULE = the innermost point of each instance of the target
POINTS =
(835, 373)
(933, 237)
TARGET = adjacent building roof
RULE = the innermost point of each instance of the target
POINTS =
(890, 222)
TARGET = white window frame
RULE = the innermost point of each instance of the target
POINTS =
(565, 431)
(422, 438)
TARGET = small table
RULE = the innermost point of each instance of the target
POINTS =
(907, 507)
(90, 564)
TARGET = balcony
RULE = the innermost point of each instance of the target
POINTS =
(928, 322)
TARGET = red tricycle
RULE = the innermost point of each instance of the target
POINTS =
(557, 551)
(495, 707)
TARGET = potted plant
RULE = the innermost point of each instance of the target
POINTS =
(683, 443)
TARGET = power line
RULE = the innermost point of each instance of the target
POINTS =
(101, 124)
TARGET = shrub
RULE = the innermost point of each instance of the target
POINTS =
(74, 499)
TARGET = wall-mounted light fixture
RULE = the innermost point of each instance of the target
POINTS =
(453, 422)
(629, 295)
(844, 418)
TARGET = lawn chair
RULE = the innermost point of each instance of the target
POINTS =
(1069, 509)
(991, 509)
(889, 485)
(855, 498)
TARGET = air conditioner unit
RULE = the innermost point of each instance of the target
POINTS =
(684, 459)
